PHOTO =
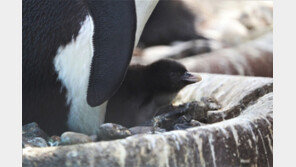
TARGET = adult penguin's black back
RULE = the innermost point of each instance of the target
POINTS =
(75, 55)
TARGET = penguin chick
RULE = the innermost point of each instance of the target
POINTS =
(145, 89)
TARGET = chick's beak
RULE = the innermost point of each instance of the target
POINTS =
(191, 78)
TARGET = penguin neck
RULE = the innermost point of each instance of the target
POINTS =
(140, 80)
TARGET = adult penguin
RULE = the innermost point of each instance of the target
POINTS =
(75, 56)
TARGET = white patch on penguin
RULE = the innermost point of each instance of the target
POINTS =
(144, 9)
(72, 64)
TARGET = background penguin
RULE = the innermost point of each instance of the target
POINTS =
(172, 20)
(145, 89)
(75, 55)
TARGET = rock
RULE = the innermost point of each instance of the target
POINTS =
(182, 114)
(243, 137)
(186, 125)
(172, 117)
(33, 136)
(145, 129)
(210, 103)
(233, 93)
(32, 130)
(68, 138)
(196, 123)
(109, 131)
(34, 142)
(181, 126)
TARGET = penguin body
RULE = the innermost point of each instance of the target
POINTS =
(145, 89)
(170, 21)
(75, 55)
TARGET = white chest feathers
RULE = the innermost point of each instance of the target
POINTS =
(144, 9)
(72, 64)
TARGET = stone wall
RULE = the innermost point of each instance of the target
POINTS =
(240, 133)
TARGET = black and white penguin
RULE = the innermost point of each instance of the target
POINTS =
(75, 56)
(146, 89)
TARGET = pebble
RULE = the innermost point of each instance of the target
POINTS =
(69, 138)
(111, 131)
(32, 130)
(34, 142)
(191, 124)
(145, 129)
(33, 136)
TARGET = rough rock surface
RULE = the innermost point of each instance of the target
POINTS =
(68, 138)
(33, 136)
(174, 117)
(33, 130)
(240, 133)
(233, 93)
(109, 131)
(145, 129)
(34, 142)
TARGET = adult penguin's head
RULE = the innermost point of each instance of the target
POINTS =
(118, 25)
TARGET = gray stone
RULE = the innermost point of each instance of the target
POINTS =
(109, 131)
(34, 142)
(191, 124)
(32, 130)
(180, 116)
(33, 136)
(233, 93)
(68, 138)
(145, 129)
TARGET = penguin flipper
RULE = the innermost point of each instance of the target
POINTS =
(114, 38)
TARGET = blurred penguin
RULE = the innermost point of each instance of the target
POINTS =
(170, 21)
